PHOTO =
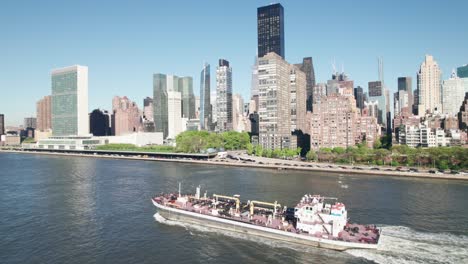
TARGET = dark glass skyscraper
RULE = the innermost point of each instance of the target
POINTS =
(2, 124)
(270, 30)
(462, 71)
(100, 123)
(161, 122)
(307, 67)
(205, 105)
(359, 96)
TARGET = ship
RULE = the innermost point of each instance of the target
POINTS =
(316, 220)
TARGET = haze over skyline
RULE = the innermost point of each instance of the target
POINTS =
(124, 43)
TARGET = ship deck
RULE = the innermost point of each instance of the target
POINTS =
(355, 233)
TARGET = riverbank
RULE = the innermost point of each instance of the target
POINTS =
(304, 166)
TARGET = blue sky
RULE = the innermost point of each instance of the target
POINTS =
(124, 42)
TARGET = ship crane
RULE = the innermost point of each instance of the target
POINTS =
(253, 203)
(229, 197)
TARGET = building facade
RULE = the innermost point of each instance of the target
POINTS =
(462, 71)
(406, 84)
(126, 116)
(44, 114)
(188, 97)
(174, 113)
(205, 95)
(2, 124)
(224, 96)
(463, 114)
(160, 103)
(270, 30)
(453, 92)
(30, 122)
(307, 66)
(274, 102)
(148, 113)
(359, 97)
(100, 123)
(298, 84)
(429, 86)
(70, 101)
(377, 94)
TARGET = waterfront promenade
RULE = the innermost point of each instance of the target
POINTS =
(238, 159)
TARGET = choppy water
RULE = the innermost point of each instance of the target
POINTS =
(86, 210)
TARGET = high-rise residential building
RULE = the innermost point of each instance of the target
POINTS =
(336, 122)
(148, 113)
(100, 123)
(463, 114)
(320, 91)
(197, 107)
(453, 92)
(254, 81)
(2, 124)
(237, 113)
(274, 103)
(174, 113)
(188, 98)
(205, 102)
(44, 113)
(307, 66)
(462, 71)
(270, 30)
(406, 84)
(70, 101)
(214, 110)
(298, 84)
(401, 103)
(224, 111)
(377, 94)
(30, 122)
(160, 103)
(127, 118)
(429, 86)
(359, 97)
(340, 84)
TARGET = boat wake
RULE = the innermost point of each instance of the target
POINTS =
(400, 244)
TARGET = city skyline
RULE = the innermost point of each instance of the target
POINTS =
(121, 62)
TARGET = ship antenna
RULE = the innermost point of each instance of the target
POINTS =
(179, 189)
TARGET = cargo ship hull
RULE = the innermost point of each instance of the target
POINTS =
(255, 230)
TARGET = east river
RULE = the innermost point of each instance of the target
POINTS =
(88, 210)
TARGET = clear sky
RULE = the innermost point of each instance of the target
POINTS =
(124, 42)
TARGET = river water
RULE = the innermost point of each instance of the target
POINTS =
(57, 209)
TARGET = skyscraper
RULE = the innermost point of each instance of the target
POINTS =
(307, 67)
(270, 30)
(406, 84)
(148, 113)
(43, 113)
(70, 101)
(237, 113)
(377, 94)
(453, 92)
(174, 113)
(160, 103)
(205, 93)
(359, 96)
(298, 84)
(126, 116)
(100, 123)
(224, 96)
(463, 114)
(462, 71)
(429, 86)
(2, 124)
(274, 102)
(188, 98)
